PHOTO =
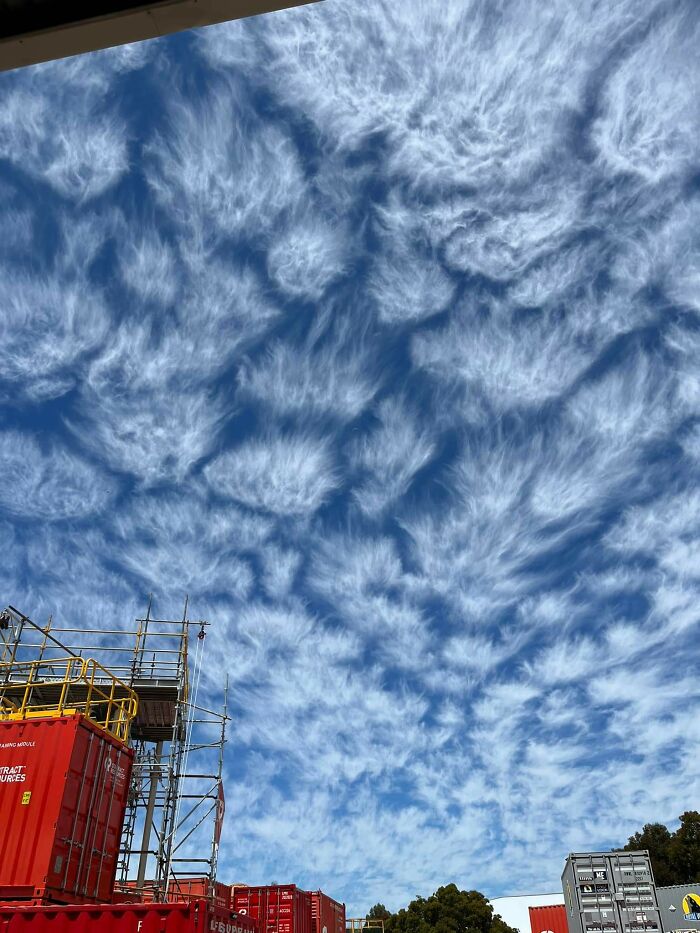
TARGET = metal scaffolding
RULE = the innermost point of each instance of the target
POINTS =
(175, 807)
(363, 924)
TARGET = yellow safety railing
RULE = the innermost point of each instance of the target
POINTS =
(34, 689)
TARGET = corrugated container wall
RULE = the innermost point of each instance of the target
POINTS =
(680, 907)
(610, 892)
(282, 908)
(550, 919)
(63, 792)
(327, 915)
(192, 917)
(187, 889)
(180, 889)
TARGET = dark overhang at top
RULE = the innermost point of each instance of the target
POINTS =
(34, 31)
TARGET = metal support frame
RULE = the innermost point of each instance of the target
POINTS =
(362, 924)
(172, 824)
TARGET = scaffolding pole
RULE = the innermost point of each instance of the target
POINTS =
(176, 791)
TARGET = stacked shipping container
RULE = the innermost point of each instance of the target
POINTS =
(63, 789)
(327, 915)
(281, 908)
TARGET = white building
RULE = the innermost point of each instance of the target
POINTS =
(514, 909)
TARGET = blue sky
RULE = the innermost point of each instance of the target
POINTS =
(375, 328)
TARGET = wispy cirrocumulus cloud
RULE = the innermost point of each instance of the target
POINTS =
(286, 475)
(49, 484)
(377, 331)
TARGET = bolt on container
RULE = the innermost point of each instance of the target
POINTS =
(63, 791)
(548, 919)
(282, 908)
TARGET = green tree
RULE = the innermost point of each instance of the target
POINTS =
(657, 839)
(448, 910)
(378, 912)
(684, 849)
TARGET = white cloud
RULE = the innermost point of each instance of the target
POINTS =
(598, 446)
(148, 404)
(502, 242)
(52, 317)
(47, 326)
(510, 362)
(148, 268)
(469, 552)
(632, 403)
(179, 544)
(308, 256)
(217, 174)
(391, 456)
(409, 287)
(665, 255)
(685, 344)
(458, 100)
(49, 482)
(285, 475)
(55, 133)
(151, 435)
(337, 379)
(280, 568)
(646, 529)
(649, 121)
(546, 281)
(16, 231)
(691, 443)
(351, 567)
(565, 661)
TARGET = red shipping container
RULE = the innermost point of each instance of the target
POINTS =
(549, 919)
(188, 889)
(63, 791)
(280, 908)
(327, 915)
(179, 889)
(192, 917)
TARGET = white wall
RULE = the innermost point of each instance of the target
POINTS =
(514, 910)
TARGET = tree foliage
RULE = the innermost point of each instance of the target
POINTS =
(378, 912)
(675, 857)
(448, 910)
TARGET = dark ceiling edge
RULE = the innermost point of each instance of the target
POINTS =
(147, 21)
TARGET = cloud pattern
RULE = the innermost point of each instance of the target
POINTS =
(376, 329)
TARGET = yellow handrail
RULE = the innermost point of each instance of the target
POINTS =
(30, 689)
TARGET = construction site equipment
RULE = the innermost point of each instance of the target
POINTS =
(34, 31)
(327, 915)
(65, 686)
(175, 803)
(278, 908)
(610, 892)
(63, 791)
(360, 924)
(194, 917)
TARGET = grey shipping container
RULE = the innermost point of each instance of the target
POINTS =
(680, 907)
(610, 892)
